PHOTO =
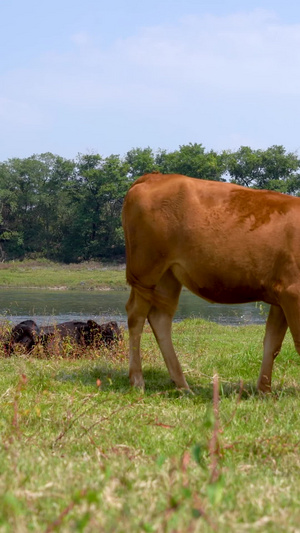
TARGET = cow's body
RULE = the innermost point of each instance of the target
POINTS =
(225, 243)
(85, 333)
(28, 334)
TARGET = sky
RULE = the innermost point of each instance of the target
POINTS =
(104, 77)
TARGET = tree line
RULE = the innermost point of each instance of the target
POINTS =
(70, 210)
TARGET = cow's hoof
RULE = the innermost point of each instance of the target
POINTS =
(181, 384)
(137, 381)
(263, 388)
(185, 391)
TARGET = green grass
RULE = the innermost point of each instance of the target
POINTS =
(82, 451)
(45, 274)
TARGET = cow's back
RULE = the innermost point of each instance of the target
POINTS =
(224, 242)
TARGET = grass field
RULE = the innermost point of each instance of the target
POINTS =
(82, 451)
(45, 274)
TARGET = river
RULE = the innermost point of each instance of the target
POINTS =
(49, 306)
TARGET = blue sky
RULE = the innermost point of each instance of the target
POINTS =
(108, 76)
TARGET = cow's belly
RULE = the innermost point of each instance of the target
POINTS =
(230, 296)
(229, 288)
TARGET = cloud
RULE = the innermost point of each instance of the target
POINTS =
(193, 69)
(81, 38)
(246, 52)
(242, 52)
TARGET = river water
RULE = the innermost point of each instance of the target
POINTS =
(48, 307)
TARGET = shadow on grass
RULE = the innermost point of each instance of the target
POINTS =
(117, 380)
(158, 381)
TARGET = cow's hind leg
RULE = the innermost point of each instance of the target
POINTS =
(275, 331)
(160, 317)
(291, 307)
(137, 309)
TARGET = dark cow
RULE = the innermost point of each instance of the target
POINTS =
(73, 330)
(225, 243)
(25, 333)
(89, 333)
(84, 333)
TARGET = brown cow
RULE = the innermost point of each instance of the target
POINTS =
(225, 243)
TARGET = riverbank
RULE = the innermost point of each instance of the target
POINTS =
(48, 275)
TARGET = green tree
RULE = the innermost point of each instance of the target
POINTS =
(11, 234)
(139, 161)
(71, 210)
(91, 223)
(192, 160)
(243, 166)
(273, 168)
(279, 170)
(30, 195)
